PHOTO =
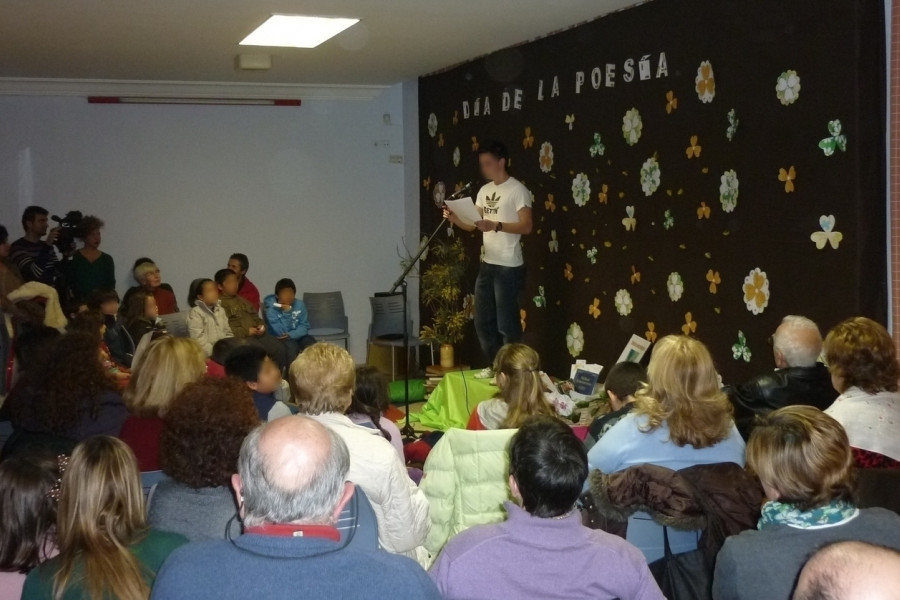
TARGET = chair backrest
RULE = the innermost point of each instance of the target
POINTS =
(325, 310)
(387, 316)
(150, 479)
(357, 523)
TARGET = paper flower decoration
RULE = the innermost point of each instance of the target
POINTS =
(623, 302)
(553, 244)
(740, 350)
(728, 190)
(650, 334)
(837, 141)
(756, 291)
(456, 156)
(629, 221)
(650, 176)
(475, 144)
(550, 203)
(787, 176)
(635, 275)
(570, 121)
(567, 272)
(675, 286)
(540, 300)
(592, 255)
(632, 126)
(581, 189)
(545, 157)
(705, 82)
(733, 123)
(602, 195)
(671, 102)
(668, 220)
(693, 151)
(787, 88)
(597, 148)
(827, 235)
(575, 340)
(594, 308)
(690, 325)
(714, 280)
(432, 124)
(703, 211)
(528, 140)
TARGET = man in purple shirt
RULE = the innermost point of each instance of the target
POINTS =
(542, 550)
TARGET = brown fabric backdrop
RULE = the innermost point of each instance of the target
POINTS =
(837, 50)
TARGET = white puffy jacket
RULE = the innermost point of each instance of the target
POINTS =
(400, 506)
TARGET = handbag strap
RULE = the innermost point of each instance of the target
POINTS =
(666, 547)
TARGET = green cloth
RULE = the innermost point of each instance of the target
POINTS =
(397, 391)
(453, 400)
(151, 551)
(86, 277)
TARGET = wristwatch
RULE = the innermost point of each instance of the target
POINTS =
(499, 226)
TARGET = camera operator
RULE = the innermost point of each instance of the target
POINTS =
(36, 258)
(90, 270)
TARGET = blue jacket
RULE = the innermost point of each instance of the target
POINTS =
(294, 322)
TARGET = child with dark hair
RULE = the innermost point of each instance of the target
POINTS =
(288, 319)
(370, 400)
(27, 529)
(207, 321)
(622, 381)
(119, 342)
(215, 364)
(244, 320)
(141, 316)
(93, 323)
(259, 372)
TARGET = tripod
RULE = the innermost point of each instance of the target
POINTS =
(398, 288)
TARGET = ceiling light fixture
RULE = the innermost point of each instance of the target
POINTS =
(297, 31)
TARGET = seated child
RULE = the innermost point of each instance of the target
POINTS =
(141, 316)
(121, 347)
(207, 321)
(622, 381)
(259, 372)
(370, 400)
(215, 364)
(93, 323)
(287, 318)
(244, 320)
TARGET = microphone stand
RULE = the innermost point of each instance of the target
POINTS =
(401, 284)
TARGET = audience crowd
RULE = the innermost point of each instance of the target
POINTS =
(224, 453)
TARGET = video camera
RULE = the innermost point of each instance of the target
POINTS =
(70, 227)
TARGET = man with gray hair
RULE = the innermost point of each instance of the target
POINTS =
(798, 378)
(291, 487)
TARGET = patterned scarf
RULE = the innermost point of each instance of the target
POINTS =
(780, 513)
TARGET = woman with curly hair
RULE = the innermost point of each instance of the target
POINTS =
(106, 549)
(90, 269)
(864, 371)
(74, 397)
(203, 430)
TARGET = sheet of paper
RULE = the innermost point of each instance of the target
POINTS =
(465, 209)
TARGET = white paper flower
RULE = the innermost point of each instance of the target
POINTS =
(623, 302)
(575, 339)
(705, 82)
(432, 124)
(756, 291)
(632, 126)
(456, 156)
(787, 88)
(581, 189)
(675, 286)
(545, 157)
(650, 176)
(728, 190)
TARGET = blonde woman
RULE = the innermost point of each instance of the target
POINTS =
(167, 366)
(518, 369)
(322, 380)
(681, 418)
(106, 549)
(804, 461)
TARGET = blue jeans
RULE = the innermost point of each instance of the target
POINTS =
(497, 319)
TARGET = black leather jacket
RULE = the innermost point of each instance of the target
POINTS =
(770, 391)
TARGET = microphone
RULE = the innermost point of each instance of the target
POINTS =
(463, 191)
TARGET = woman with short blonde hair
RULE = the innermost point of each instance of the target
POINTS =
(322, 379)
(803, 459)
(864, 370)
(167, 366)
(106, 549)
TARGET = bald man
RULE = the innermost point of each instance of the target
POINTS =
(850, 571)
(291, 486)
(798, 378)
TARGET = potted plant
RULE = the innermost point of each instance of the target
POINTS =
(441, 291)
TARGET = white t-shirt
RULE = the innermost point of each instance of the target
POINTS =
(501, 203)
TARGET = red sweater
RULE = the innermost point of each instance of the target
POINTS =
(142, 436)
(248, 292)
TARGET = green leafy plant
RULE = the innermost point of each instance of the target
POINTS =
(441, 291)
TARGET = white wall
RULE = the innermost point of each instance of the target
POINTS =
(305, 192)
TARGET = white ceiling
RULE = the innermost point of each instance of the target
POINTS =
(197, 40)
